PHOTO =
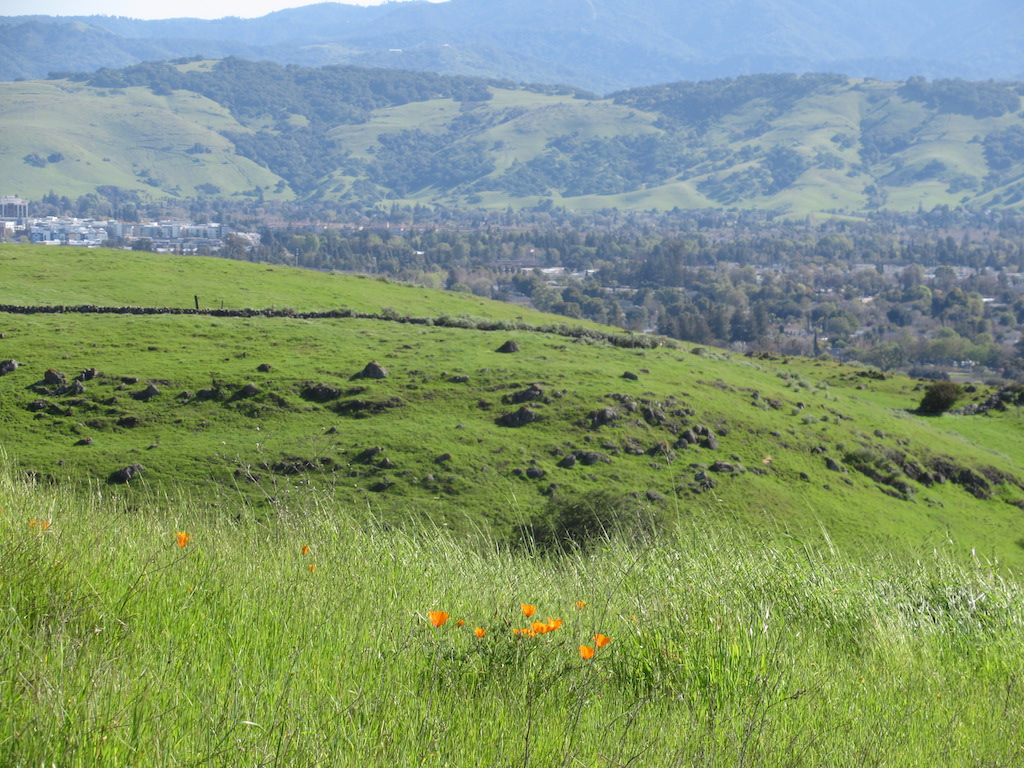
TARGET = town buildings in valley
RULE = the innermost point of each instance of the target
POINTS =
(161, 236)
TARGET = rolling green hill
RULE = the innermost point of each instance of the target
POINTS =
(270, 407)
(133, 140)
(342, 135)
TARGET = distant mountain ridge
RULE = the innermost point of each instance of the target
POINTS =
(594, 44)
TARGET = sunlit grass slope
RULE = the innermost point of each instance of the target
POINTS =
(72, 276)
(309, 639)
(778, 444)
(128, 138)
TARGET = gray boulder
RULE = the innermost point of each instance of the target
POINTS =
(519, 418)
(603, 416)
(146, 394)
(373, 370)
(126, 474)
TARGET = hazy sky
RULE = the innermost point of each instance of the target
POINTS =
(199, 9)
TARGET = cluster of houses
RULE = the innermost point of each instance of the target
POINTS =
(160, 236)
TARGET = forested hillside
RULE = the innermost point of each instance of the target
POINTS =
(347, 136)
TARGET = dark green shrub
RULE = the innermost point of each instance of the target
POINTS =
(570, 523)
(940, 397)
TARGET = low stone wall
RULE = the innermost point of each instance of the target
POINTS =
(624, 339)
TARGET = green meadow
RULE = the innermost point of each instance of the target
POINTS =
(309, 639)
(259, 410)
(322, 570)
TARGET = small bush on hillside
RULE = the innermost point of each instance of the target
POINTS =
(940, 397)
(571, 523)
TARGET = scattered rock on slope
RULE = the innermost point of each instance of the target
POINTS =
(369, 454)
(519, 418)
(126, 474)
(531, 393)
(249, 390)
(146, 394)
(320, 393)
(602, 416)
(373, 370)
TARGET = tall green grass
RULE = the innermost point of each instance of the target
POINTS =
(119, 647)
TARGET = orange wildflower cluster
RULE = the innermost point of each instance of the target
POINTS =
(538, 628)
(183, 539)
(600, 641)
(439, 618)
(42, 525)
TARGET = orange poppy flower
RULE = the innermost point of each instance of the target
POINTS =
(42, 525)
(586, 652)
(580, 605)
(540, 627)
(183, 539)
(601, 640)
(437, 618)
(459, 623)
(305, 549)
(554, 623)
(479, 632)
(312, 568)
(528, 610)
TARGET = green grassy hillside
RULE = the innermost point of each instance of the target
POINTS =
(795, 145)
(49, 276)
(127, 138)
(787, 444)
